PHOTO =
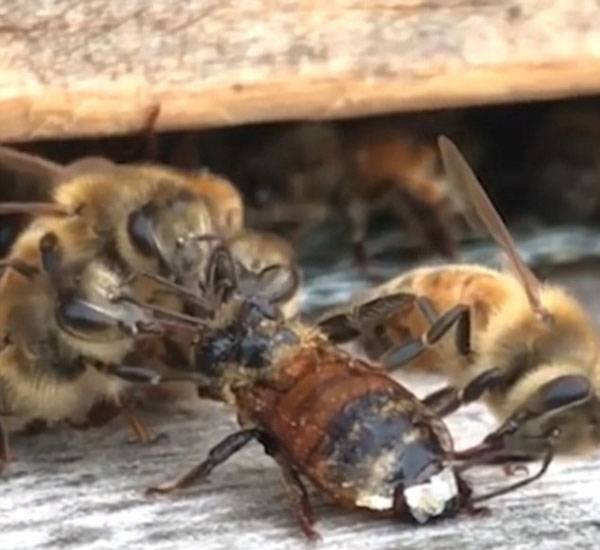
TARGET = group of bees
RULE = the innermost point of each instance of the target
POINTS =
(136, 276)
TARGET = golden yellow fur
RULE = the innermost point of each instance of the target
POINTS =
(224, 200)
(505, 334)
(46, 373)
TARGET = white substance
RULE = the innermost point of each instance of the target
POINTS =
(374, 502)
(429, 499)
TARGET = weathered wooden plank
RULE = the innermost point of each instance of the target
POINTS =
(70, 68)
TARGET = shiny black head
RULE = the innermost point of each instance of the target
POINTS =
(246, 343)
(248, 326)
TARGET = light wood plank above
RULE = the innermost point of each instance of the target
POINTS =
(70, 68)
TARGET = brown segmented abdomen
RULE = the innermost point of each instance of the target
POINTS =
(354, 432)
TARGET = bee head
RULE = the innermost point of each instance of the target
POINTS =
(562, 413)
(247, 328)
(171, 235)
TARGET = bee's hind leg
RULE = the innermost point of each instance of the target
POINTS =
(448, 399)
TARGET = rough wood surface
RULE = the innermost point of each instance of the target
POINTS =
(71, 68)
(83, 490)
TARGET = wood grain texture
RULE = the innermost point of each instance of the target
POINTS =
(70, 68)
(84, 490)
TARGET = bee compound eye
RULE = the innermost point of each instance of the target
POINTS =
(140, 227)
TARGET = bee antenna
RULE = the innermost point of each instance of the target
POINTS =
(177, 289)
(143, 375)
(187, 320)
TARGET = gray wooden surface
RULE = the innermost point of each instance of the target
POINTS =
(71, 68)
(75, 490)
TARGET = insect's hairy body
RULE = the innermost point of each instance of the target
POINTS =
(45, 372)
(505, 332)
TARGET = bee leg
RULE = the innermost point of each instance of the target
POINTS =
(448, 399)
(216, 456)
(294, 488)
(481, 383)
(462, 333)
(466, 504)
(347, 326)
(407, 351)
(444, 401)
(427, 309)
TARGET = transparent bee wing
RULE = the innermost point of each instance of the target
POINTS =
(480, 212)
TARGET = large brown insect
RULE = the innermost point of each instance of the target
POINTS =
(359, 436)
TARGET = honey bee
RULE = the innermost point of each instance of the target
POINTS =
(529, 348)
(359, 436)
(68, 322)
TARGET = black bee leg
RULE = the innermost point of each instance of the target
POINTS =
(481, 383)
(467, 505)
(294, 488)
(444, 401)
(448, 399)
(458, 317)
(427, 309)
(463, 323)
(404, 353)
(217, 455)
